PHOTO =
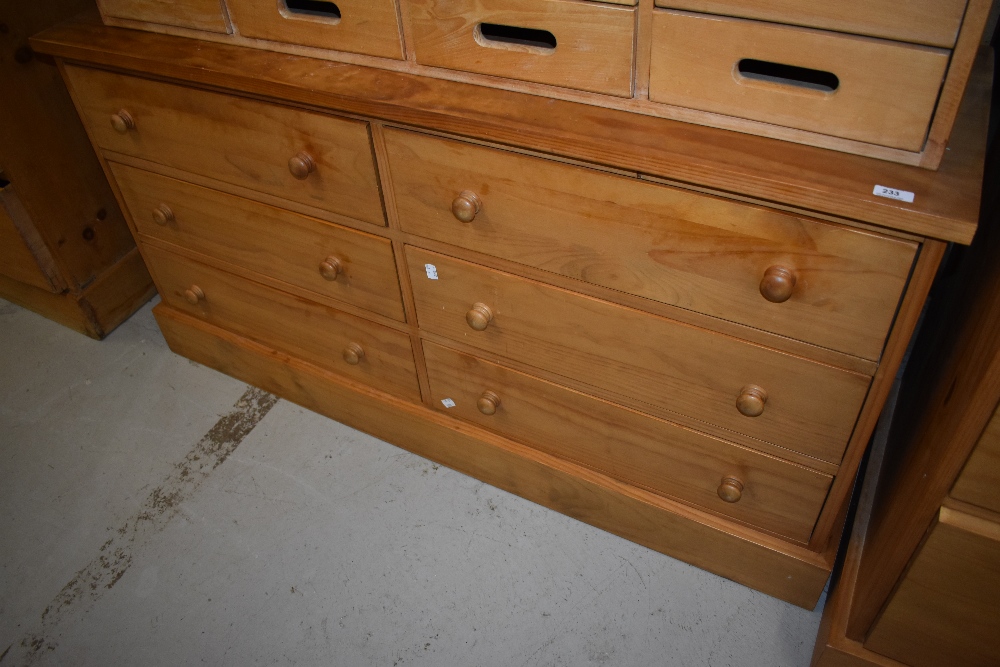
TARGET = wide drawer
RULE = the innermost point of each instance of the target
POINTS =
(197, 14)
(370, 27)
(668, 459)
(803, 406)
(568, 43)
(690, 250)
(328, 259)
(932, 22)
(235, 140)
(851, 87)
(359, 349)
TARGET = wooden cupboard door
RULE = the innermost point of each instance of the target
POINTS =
(785, 400)
(315, 159)
(569, 43)
(334, 261)
(663, 457)
(845, 86)
(685, 249)
(196, 14)
(931, 22)
(945, 609)
(370, 27)
(979, 483)
(356, 348)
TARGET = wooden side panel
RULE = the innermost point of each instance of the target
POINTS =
(197, 14)
(677, 247)
(16, 259)
(235, 140)
(697, 58)
(304, 328)
(810, 408)
(268, 240)
(945, 611)
(592, 49)
(361, 26)
(932, 22)
(979, 483)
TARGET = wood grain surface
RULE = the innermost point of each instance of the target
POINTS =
(197, 14)
(979, 482)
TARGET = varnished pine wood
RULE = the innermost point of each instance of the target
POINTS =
(207, 15)
(811, 408)
(18, 259)
(979, 483)
(628, 445)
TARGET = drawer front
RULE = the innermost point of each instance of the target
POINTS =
(334, 261)
(197, 14)
(979, 483)
(932, 22)
(806, 79)
(370, 27)
(235, 140)
(568, 43)
(356, 348)
(658, 455)
(806, 407)
(689, 250)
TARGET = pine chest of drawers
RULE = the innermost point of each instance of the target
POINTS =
(676, 333)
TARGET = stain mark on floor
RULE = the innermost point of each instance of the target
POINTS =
(115, 556)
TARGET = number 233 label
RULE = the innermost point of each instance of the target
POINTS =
(892, 193)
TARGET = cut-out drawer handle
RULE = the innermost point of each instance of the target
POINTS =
(466, 206)
(353, 354)
(731, 490)
(194, 295)
(122, 121)
(321, 9)
(301, 165)
(479, 317)
(515, 38)
(777, 284)
(162, 215)
(330, 268)
(488, 403)
(751, 401)
(802, 78)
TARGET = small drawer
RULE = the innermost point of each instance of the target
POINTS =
(569, 43)
(370, 27)
(314, 159)
(851, 87)
(694, 251)
(785, 400)
(196, 14)
(931, 22)
(665, 458)
(361, 350)
(328, 259)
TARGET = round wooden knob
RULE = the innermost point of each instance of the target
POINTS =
(122, 122)
(353, 354)
(466, 206)
(751, 401)
(777, 284)
(329, 268)
(731, 490)
(488, 403)
(162, 214)
(479, 317)
(194, 294)
(302, 165)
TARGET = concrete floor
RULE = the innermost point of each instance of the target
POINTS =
(156, 512)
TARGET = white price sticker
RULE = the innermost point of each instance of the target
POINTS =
(432, 272)
(892, 193)
(447, 402)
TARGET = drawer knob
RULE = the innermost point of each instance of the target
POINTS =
(731, 490)
(751, 401)
(162, 214)
(466, 206)
(122, 122)
(330, 268)
(488, 403)
(353, 354)
(302, 165)
(194, 295)
(777, 284)
(479, 317)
